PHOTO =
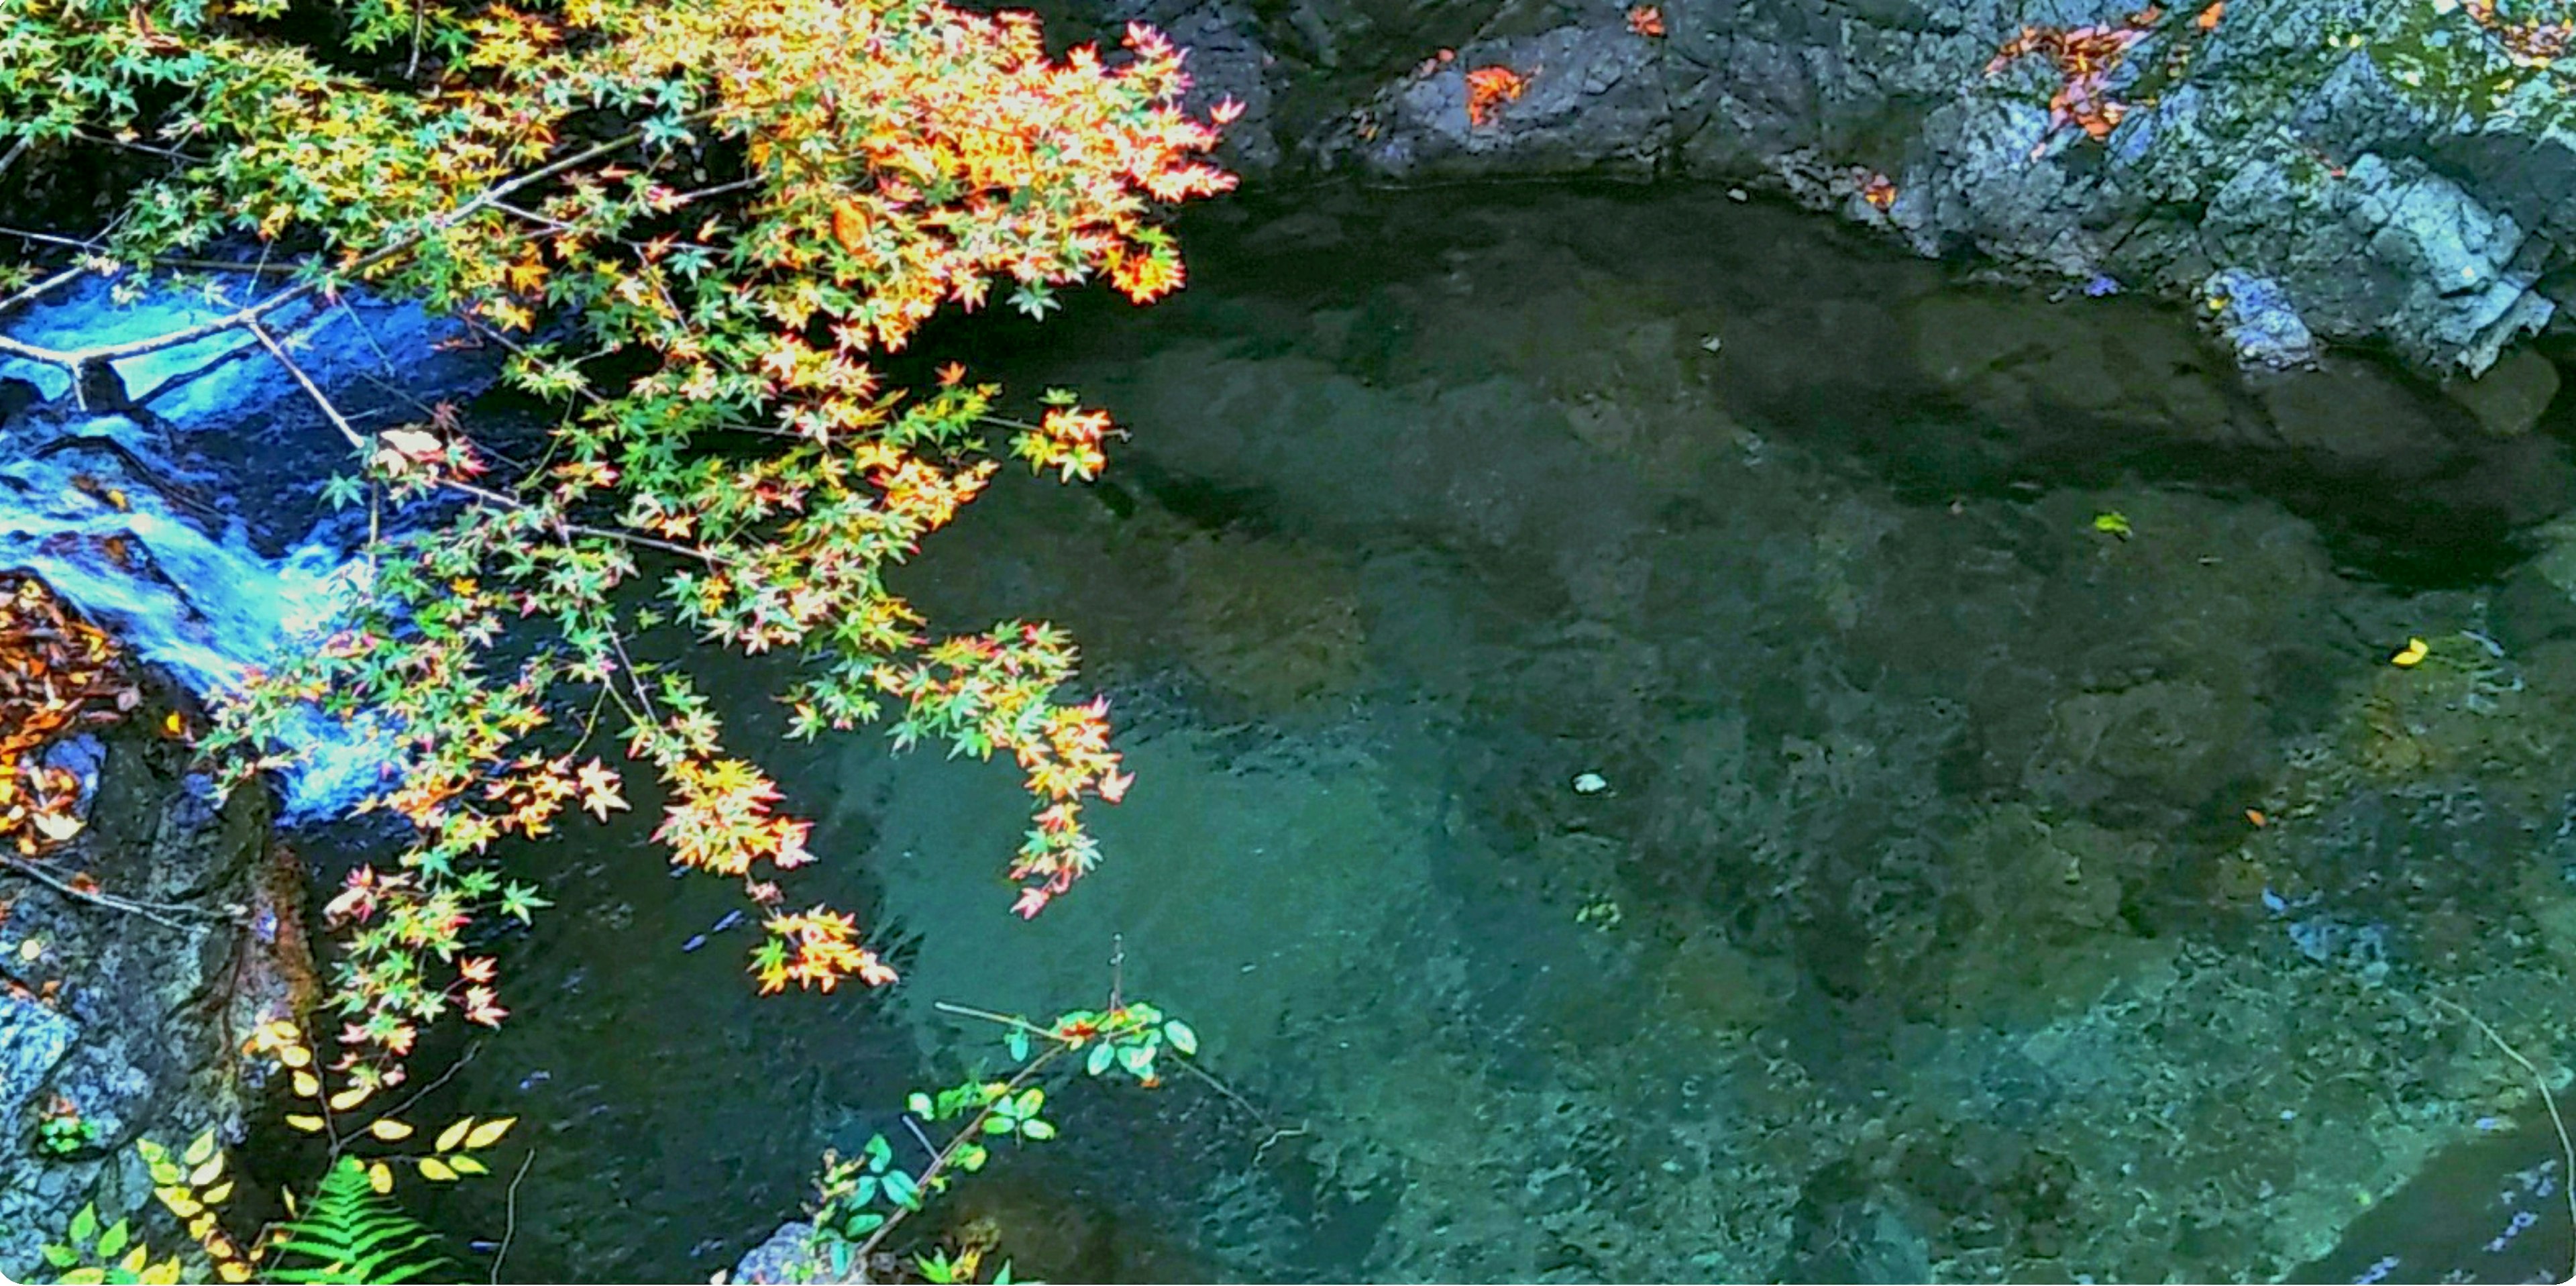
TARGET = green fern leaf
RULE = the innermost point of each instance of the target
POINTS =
(349, 1232)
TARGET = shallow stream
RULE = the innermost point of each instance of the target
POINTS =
(2014, 854)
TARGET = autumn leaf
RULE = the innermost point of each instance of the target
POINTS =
(599, 790)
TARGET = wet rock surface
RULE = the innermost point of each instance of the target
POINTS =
(130, 1020)
(2391, 173)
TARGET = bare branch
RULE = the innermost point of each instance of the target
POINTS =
(152, 911)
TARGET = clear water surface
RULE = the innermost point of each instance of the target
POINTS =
(1973, 892)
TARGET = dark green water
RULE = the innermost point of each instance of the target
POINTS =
(1920, 929)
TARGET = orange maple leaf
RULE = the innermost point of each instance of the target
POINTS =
(1488, 88)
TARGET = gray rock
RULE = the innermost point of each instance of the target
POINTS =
(2316, 144)
(2256, 316)
(140, 1036)
(33, 1040)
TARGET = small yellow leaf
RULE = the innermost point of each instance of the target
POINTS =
(436, 1170)
(135, 1259)
(350, 1097)
(212, 1170)
(308, 1124)
(295, 1056)
(381, 1178)
(308, 1085)
(233, 1270)
(2413, 653)
(454, 1134)
(490, 1132)
(390, 1130)
(465, 1163)
(199, 1148)
(184, 1206)
(216, 1195)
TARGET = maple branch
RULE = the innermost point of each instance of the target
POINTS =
(459, 485)
(81, 359)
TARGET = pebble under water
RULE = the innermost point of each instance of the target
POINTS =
(2014, 855)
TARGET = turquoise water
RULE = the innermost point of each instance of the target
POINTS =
(1917, 927)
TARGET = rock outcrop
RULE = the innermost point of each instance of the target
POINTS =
(2398, 175)
(128, 1020)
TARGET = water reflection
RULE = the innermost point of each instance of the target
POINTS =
(1972, 887)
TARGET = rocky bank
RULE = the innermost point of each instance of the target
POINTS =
(126, 1018)
(2394, 175)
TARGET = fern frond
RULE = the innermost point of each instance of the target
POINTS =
(349, 1232)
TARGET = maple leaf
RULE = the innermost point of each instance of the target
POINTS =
(1031, 901)
(480, 1007)
(1114, 784)
(599, 789)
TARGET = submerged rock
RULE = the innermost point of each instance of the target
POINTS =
(2511, 397)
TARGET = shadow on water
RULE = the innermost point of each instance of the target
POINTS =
(1656, 760)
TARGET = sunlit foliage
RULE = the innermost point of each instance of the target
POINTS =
(691, 226)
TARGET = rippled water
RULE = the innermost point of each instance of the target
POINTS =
(1921, 928)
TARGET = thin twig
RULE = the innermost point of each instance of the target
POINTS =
(510, 1226)
(1222, 1088)
(411, 69)
(2566, 1147)
(443, 1077)
(484, 494)
(148, 910)
(311, 389)
(130, 145)
(16, 150)
(1275, 1136)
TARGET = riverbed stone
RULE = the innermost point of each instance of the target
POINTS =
(2511, 397)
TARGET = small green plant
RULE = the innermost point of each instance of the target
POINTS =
(92, 1253)
(862, 1199)
(348, 1228)
(62, 1131)
(943, 1269)
(2112, 522)
(349, 1232)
